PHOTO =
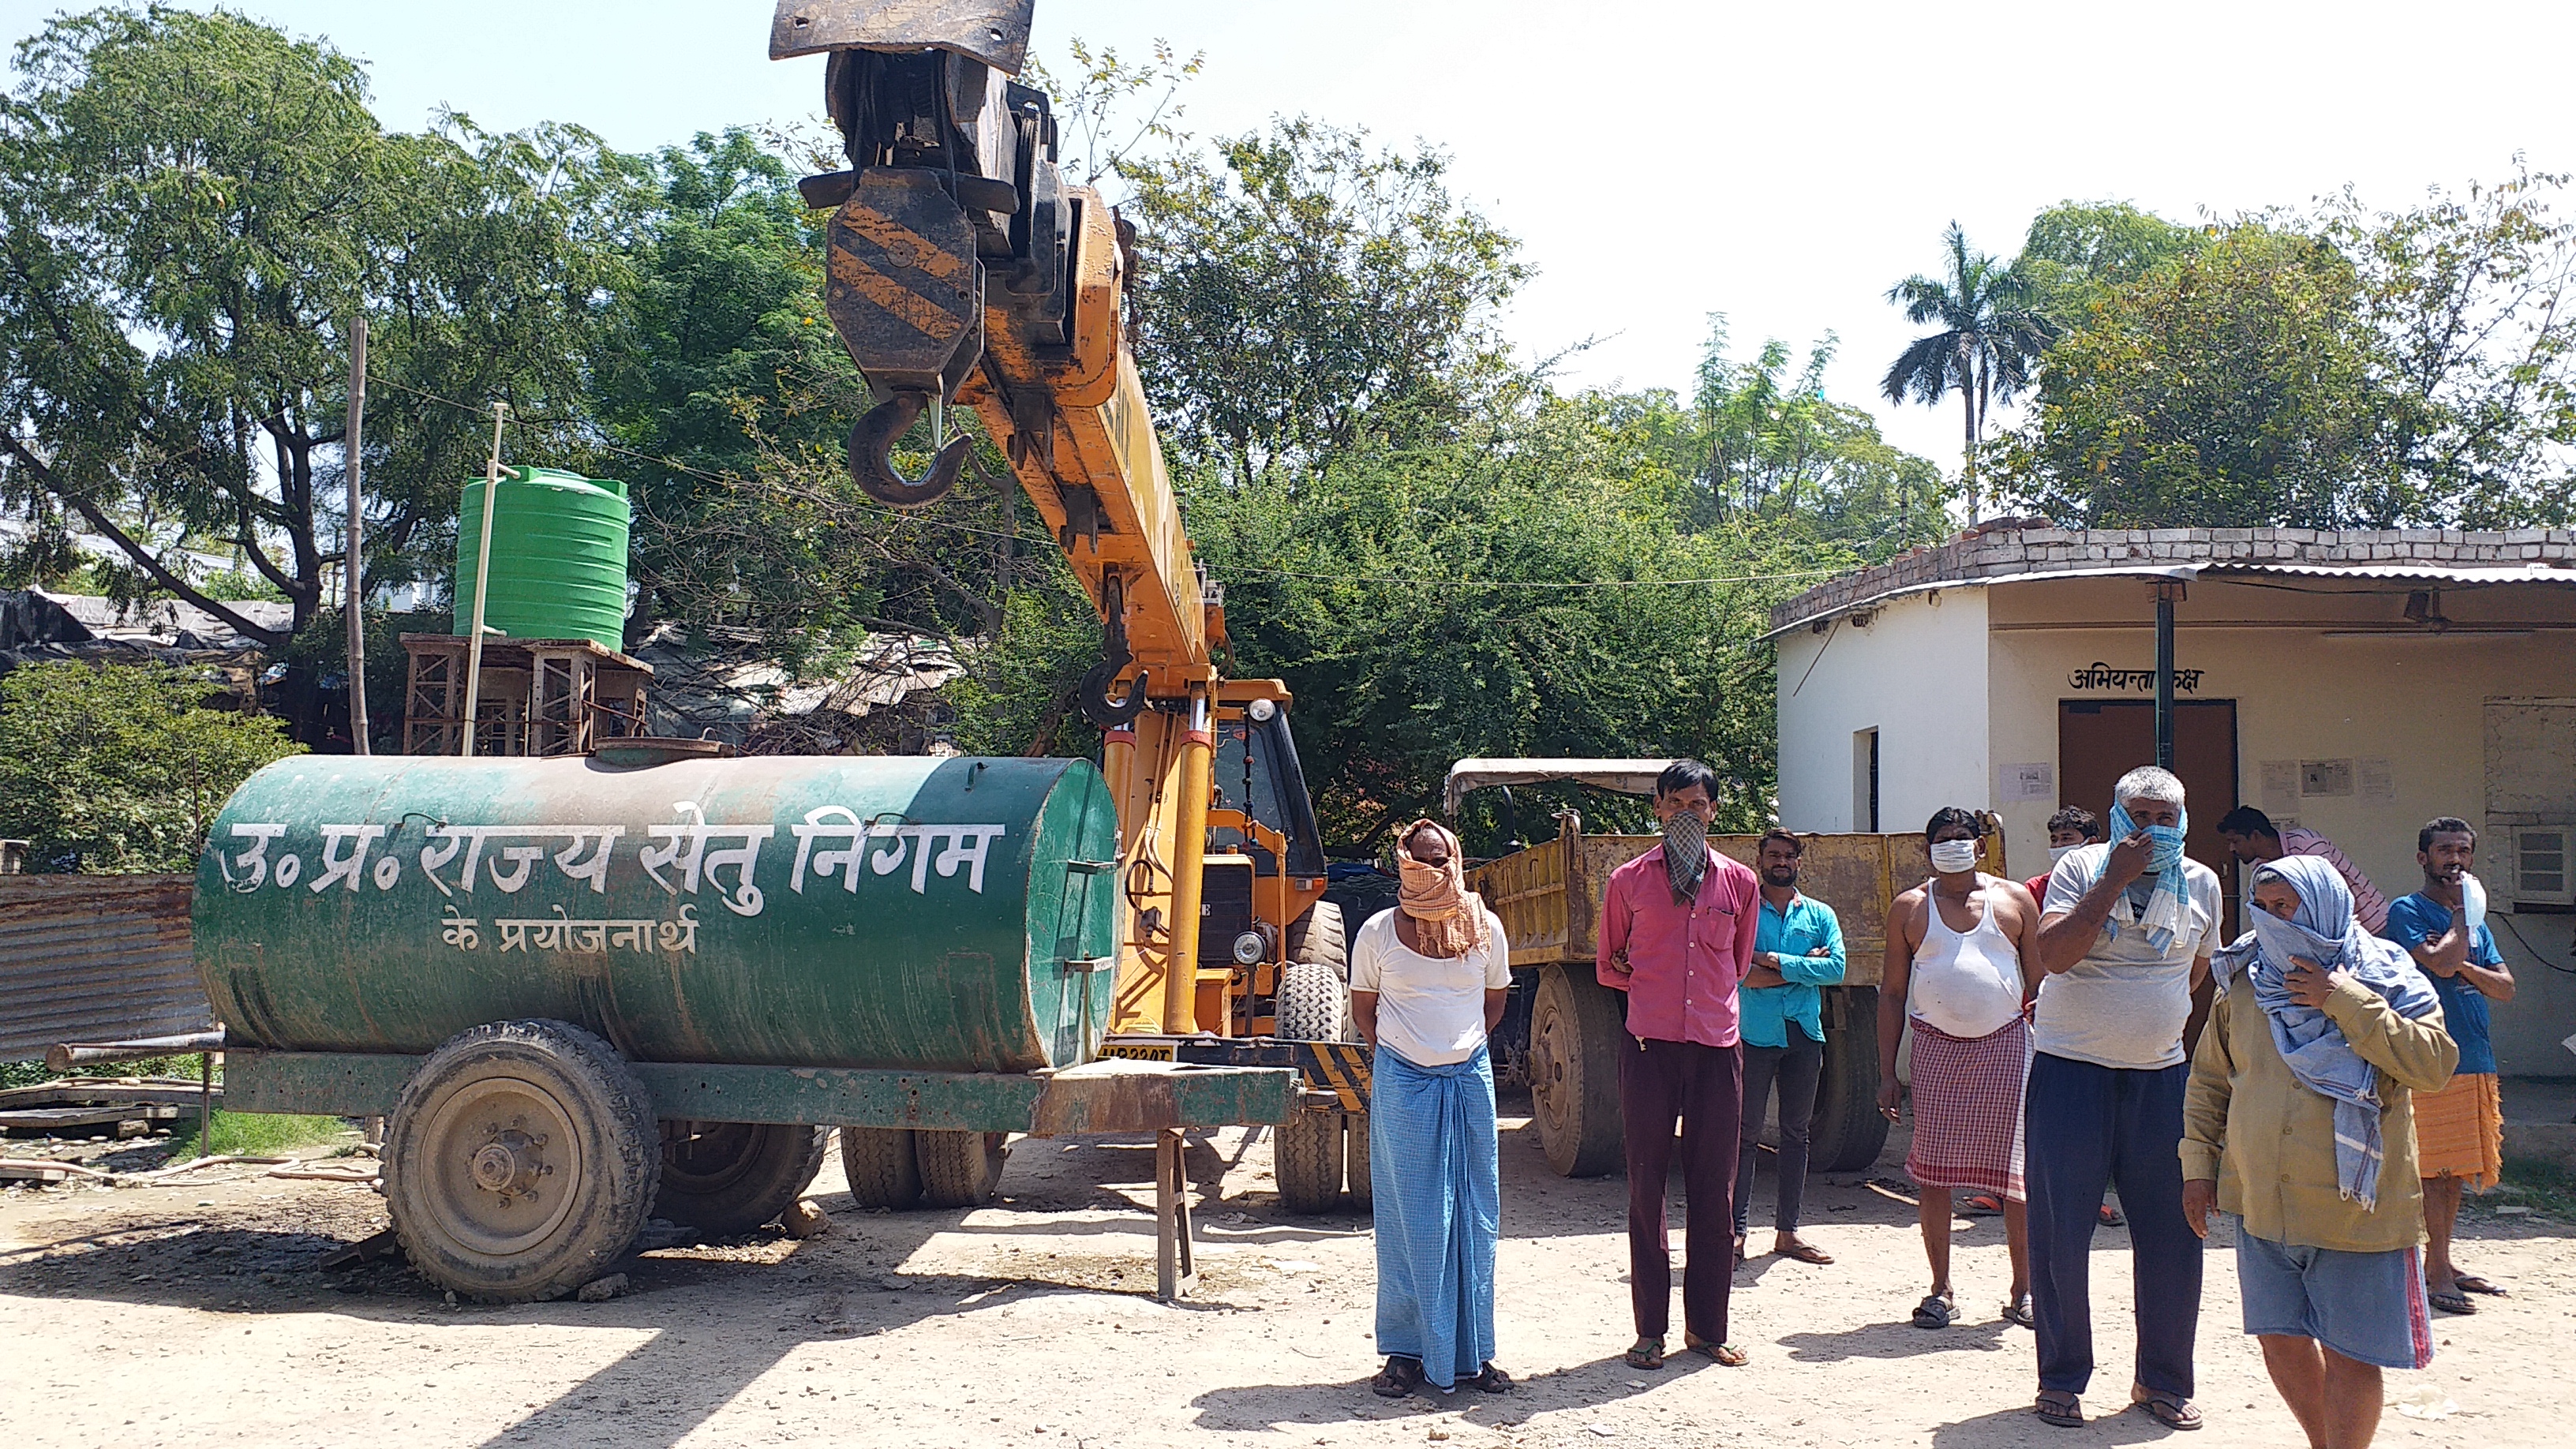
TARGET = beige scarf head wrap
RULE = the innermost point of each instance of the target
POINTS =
(1448, 918)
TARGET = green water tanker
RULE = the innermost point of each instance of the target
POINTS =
(589, 991)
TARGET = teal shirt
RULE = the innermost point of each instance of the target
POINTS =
(1767, 1011)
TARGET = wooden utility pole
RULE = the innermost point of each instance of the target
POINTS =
(354, 541)
(482, 581)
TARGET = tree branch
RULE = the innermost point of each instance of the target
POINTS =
(142, 557)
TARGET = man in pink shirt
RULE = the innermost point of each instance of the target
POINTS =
(2254, 840)
(1677, 928)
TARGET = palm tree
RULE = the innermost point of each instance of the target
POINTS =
(1991, 335)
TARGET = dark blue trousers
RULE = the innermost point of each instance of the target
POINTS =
(2086, 1126)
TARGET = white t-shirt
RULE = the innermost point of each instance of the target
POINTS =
(1430, 1009)
(2125, 1004)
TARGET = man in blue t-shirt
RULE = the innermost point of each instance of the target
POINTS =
(1797, 948)
(2459, 1131)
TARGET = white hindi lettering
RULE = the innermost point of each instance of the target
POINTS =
(685, 845)
(584, 859)
(567, 933)
(844, 839)
(253, 862)
(344, 867)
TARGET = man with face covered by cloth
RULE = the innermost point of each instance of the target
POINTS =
(1428, 982)
(1676, 936)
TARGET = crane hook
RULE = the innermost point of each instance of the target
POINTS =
(872, 441)
(1098, 705)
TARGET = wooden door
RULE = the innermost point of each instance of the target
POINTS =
(2098, 741)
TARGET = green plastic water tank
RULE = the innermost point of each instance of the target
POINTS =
(558, 557)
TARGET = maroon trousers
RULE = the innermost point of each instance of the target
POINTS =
(1701, 1088)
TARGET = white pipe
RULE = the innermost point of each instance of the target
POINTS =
(482, 579)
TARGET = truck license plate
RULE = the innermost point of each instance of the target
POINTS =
(1145, 1051)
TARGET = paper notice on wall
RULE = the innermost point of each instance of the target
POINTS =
(2018, 783)
(2378, 778)
(2280, 786)
(2325, 777)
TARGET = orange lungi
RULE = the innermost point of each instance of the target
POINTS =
(2459, 1131)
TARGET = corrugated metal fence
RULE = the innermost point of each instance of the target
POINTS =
(95, 958)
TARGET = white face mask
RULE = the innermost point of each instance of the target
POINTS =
(1950, 857)
(2057, 853)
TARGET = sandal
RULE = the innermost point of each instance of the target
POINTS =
(2019, 1312)
(1804, 1252)
(1493, 1380)
(2111, 1216)
(1725, 1353)
(1982, 1204)
(2451, 1302)
(1937, 1310)
(2472, 1283)
(2171, 1410)
(1645, 1353)
(2056, 1406)
(1400, 1377)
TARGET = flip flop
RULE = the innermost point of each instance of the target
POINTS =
(1725, 1353)
(2472, 1283)
(2020, 1312)
(2171, 1410)
(1936, 1311)
(2453, 1302)
(1645, 1353)
(1400, 1377)
(2056, 1406)
(1982, 1204)
(2111, 1216)
(1805, 1253)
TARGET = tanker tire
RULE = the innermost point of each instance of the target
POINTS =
(553, 1116)
(881, 1167)
(1313, 1005)
(1847, 1132)
(736, 1177)
(1577, 1031)
(959, 1169)
(1320, 938)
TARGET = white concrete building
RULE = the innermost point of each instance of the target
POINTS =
(2357, 684)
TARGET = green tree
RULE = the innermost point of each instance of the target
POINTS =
(1303, 286)
(2230, 386)
(117, 768)
(1990, 335)
(2078, 251)
(191, 207)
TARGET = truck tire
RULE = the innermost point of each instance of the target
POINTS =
(1577, 1031)
(959, 1169)
(1848, 1132)
(1321, 938)
(881, 1167)
(1355, 1159)
(728, 1178)
(1307, 1160)
(521, 1160)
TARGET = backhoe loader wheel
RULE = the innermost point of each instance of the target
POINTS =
(1576, 1035)
(728, 1178)
(880, 1165)
(1319, 938)
(1308, 1160)
(520, 1161)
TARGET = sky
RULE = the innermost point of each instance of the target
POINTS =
(1660, 160)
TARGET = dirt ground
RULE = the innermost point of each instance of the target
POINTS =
(191, 1314)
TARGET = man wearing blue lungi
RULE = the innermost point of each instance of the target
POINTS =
(1428, 982)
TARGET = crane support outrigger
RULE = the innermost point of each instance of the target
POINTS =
(962, 269)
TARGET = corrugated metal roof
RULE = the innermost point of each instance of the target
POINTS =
(95, 958)
(2379, 573)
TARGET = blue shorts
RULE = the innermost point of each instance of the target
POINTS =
(2369, 1307)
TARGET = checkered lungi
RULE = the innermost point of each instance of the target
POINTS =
(1967, 1108)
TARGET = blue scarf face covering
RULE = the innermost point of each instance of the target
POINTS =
(2162, 919)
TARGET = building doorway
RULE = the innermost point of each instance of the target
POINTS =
(2099, 740)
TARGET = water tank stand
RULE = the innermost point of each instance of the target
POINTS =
(539, 696)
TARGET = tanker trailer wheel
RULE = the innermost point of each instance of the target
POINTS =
(1307, 1155)
(520, 1161)
(1847, 1131)
(726, 1178)
(881, 1167)
(1576, 1034)
(960, 1169)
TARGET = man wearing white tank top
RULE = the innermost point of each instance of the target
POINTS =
(1962, 961)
